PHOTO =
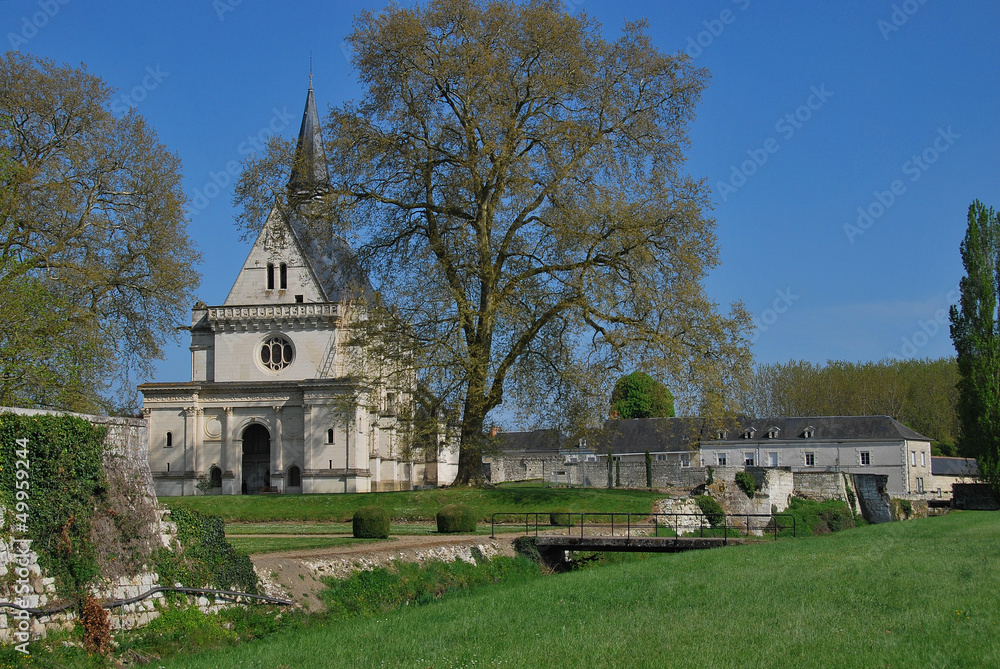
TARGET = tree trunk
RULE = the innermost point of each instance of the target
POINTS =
(470, 449)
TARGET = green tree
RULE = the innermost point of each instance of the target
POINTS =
(977, 341)
(919, 393)
(639, 395)
(515, 185)
(96, 266)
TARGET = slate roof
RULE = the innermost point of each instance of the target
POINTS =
(309, 170)
(954, 466)
(829, 427)
(528, 442)
(661, 435)
(330, 257)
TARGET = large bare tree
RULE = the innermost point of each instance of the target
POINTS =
(513, 184)
(95, 263)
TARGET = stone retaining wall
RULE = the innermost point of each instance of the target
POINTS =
(125, 461)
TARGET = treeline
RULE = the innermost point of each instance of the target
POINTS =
(919, 393)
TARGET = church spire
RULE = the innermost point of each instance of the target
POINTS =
(309, 172)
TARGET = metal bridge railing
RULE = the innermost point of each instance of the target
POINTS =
(621, 524)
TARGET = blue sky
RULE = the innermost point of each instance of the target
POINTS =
(843, 141)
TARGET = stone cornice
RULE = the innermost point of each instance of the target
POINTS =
(273, 317)
(243, 391)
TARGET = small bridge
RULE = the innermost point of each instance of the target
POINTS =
(560, 531)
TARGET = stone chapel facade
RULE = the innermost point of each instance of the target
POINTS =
(271, 406)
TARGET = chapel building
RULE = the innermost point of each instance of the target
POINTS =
(272, 405)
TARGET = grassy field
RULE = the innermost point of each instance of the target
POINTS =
(910, 594)
(236, 530)
(416, 505)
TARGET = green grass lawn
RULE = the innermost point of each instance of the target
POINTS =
(923, 593)
(251, 544)
(235, 530)
(416, 505)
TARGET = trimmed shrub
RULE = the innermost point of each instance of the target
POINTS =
(746, 483)
(712, 510)
(371, 522)
(561, 518)
(456, 518)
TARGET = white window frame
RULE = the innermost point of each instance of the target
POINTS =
(749, 459)
(720, 459)
(685, 460)
(773, 458)
(807, 456)
(913, 458)
(865, 458)
(923, 458)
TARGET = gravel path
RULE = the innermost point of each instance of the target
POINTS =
(296, 574)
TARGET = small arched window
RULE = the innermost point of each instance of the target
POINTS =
(270, 276)
(283, 276)
(294, 477)
(329, 436)
(170, 440)
(215, 476)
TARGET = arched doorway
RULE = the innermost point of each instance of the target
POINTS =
(256, 459)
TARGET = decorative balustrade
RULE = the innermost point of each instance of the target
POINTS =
(295, 311)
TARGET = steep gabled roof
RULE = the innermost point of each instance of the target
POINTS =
(329, 256)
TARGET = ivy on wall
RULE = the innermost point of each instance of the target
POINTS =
(205, 558)
(60, 485)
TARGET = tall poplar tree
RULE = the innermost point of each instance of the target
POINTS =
(977, 340)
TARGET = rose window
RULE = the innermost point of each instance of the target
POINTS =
(276, 353)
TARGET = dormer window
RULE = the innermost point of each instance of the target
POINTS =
(809, 432)
(283, 272)
(773, 432)
(722, 434)
(749, 433)
(270, 276)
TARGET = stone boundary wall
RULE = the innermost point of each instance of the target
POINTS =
(555, 471)
(125, 458)
(775, 485)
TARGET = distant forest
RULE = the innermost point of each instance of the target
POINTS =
(919, 393)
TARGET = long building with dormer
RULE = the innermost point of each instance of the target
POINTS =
(272, 405)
